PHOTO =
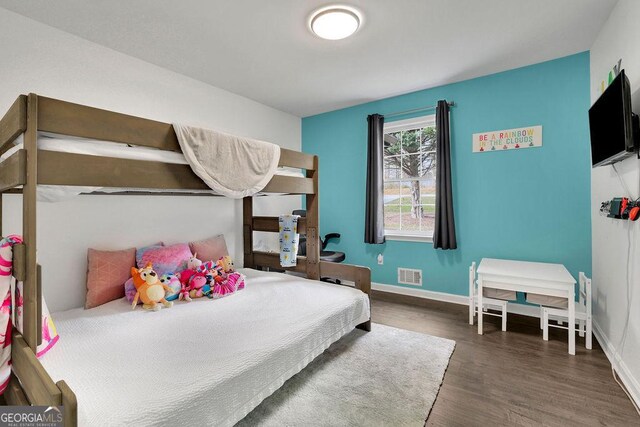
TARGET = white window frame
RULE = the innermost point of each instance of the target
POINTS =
(404, 125)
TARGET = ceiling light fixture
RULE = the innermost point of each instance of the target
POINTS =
(335, 22)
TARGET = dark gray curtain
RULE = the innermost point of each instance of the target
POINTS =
(444, 235)
(374, 216)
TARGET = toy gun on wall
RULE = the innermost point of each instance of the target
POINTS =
(621, 208)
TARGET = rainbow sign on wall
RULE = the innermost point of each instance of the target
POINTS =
(508, 139)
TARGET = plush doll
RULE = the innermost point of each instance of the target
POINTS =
(205, 267)
(184, 293)
(207, 292)
(185, 276)
(192, 266)
(210, 275)
(193, 278)
(226, 263)
(202, 269)
(222, 268)
(217, 274)
(149, 289)
(197, 281)
(173, 282)
(226, 281)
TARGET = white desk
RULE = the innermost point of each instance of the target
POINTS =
(534, 277)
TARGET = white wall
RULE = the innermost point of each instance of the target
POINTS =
(37, 58)
(619, 38)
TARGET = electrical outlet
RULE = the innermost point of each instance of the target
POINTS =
(380, 259)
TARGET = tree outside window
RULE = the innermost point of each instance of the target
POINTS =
(409, 177)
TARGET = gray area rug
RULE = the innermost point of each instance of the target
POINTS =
(386, 377)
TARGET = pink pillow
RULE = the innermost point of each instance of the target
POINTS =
(165, 259)
(210, 249)
(106, 273)
(141, 251)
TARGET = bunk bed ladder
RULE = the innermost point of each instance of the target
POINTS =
(313, 221)
(30, 384)
(247, 218)
(32, 307)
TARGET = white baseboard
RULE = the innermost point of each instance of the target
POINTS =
(630, 382)
(421, 293)
(632, 385)
(525, 310)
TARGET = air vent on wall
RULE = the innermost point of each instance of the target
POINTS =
(408, 276)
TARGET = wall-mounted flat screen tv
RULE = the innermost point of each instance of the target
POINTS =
(614, 127)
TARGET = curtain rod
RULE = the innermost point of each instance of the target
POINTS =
(415, 110)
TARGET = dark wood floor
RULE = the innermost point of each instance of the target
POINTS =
(512, 378)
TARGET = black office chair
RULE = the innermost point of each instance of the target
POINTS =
(328, 256)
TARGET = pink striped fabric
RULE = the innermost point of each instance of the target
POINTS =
(9, 290)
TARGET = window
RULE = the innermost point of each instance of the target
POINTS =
(410, 178)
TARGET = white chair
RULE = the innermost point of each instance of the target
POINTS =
(552, 308)
(494, 299)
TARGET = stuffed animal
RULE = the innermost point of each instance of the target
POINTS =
(222, 268)
(173, 282)
(149, 289)
(216, 275)
(193, 265)
(196, 283)
(226, 263)
(184, 293)
(206, 291)
(210, 275)
(190, 283)
(205, 267)
(194, 262)
(185, 275)
(226, 280)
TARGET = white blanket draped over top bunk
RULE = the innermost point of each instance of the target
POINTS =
(233, 166)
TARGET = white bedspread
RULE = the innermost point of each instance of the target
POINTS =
(90, 147)
(200, 363)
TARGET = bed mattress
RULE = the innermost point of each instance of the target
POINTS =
(91, 147)
(200, 363)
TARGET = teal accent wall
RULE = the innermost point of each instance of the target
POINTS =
(530, 204)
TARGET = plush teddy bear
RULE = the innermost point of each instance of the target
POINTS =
(149, 289)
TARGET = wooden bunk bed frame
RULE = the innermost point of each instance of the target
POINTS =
(30, 384)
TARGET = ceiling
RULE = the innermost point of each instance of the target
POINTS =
(262, 49)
